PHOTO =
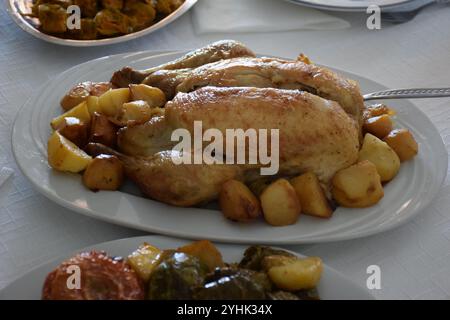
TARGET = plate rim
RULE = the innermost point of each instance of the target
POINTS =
(171, 232)
(25, 26)
(162, 238)
(344, 8)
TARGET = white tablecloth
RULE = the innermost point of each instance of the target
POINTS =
(414, 259)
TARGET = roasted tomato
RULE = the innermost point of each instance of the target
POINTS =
(101, 278)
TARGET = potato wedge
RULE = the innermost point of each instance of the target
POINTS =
(64, 155)
(152, 95)
(112, 100)
(311, 195)
(104, 172)
(134, 112)
(206, 252)
(75, 130)
(280, 203)
(144, 260)
(357, 186)
(103, 131)
(381, 155)
(238, 203)
(92, 104)
(80, 111)
(293, 274)
(403, 143)
(379, 126)
(82, 91)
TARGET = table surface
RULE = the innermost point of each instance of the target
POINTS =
(414, 259)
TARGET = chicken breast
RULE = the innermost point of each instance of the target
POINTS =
(315, 135)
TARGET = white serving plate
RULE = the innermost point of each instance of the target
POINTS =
(17, 7)
(362, 5)
(333, 285)
(407, 195)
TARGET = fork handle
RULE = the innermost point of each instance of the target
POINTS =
(408, 94)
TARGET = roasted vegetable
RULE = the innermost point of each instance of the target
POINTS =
(166, 7)
(81, 112)
(52, 18)
(82, 91)
(358, 186)
(104, 172)
(311, 195)
(64, 155)
(152, 95)
(280, 203)
(112, 100)
(254, 256)
(238, 203)
(403, 143)
(293, 273)
(132, 113)
(144, 260)
(103, 131)
(75, 130)
(379, 126)
(177, 276)
(381, 155)
(113, 4)
(88, 7)
(234, 284)
(87, 31)
(141, 14)
(376, 110)
(112, 22)
(206, 252)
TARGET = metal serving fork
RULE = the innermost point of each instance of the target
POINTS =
(408, 93)
(409, 11)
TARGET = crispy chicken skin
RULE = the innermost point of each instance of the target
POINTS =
(224, 49)
(264, 73)
(315, 135)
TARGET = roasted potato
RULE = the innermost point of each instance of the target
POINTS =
(144, 260)
(75, 130)
(379, 126)
(403, 143)
(52, 18)
(92, 104)
(82, 91)
(80, 111)
(238, 203)
(104, 172)
(280, 203)
(381, 155)
(206, 252)
(112, 100)
(134, 112)
(292, 273)
(376, 110)
(64, 155)
(103, 131)
(357, 186)
(153, 96)
(311, 195)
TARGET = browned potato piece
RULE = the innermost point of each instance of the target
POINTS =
(280, 203)
(403, 143)
(104, 172)
(134, 112)
(103, 131)
(82, 91)
(376, 110)
(75, 130)
(311, 195)
(238, 203)
(206, 252)
(358, 186)
(381, 155)
(379, 126)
